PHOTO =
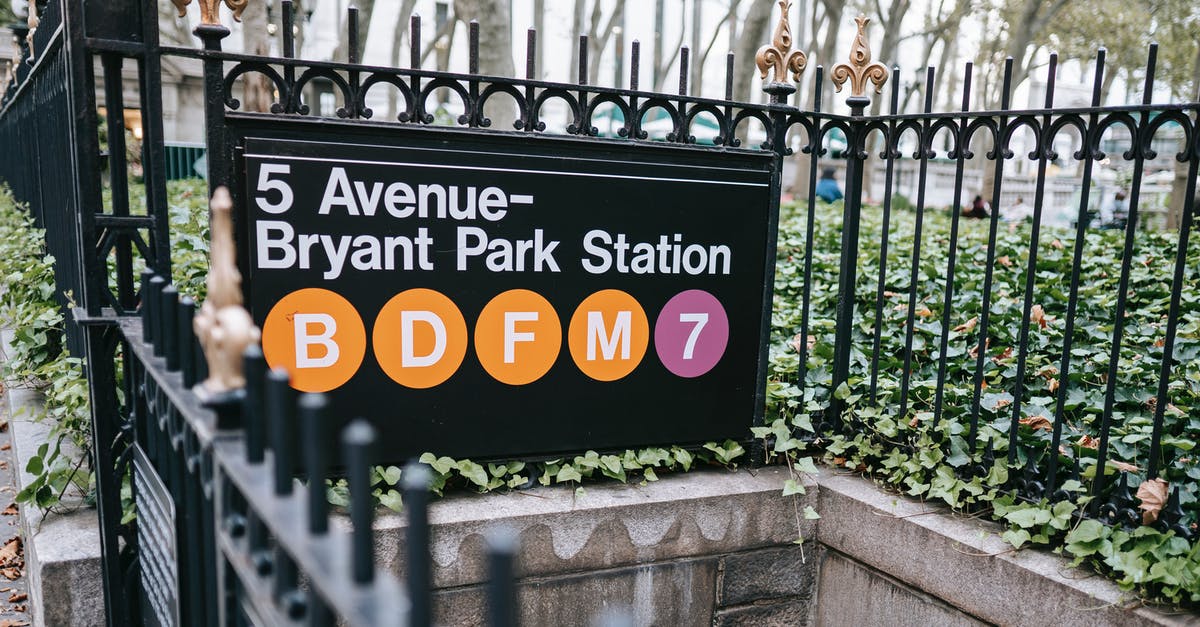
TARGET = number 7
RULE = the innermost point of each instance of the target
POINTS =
(700, 319)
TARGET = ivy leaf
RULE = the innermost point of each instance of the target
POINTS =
(791, 486)
(568, 473)
(1016, 537)
(810, 513)
(441, 465)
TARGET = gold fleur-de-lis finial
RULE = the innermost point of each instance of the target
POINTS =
(778, 55)
(210, 9)
(223, 326)
(860, 69)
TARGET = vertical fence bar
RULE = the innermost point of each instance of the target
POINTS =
(981, 346)
(157, 284)
(187, 341)
(815, 151)
(1177, 287)
(1031, 269)
(416, 481)
(358, 440)
(890, 154)
(1081, 225)
(502, 592)
(314, 417)
(279, 401)
(924, 153)
(960, 150)
(1138, 149)
(169, 304)
(254, 368)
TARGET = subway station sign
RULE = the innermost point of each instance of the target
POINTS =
(515, 297)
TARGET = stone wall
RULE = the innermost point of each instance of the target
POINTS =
(696, 549)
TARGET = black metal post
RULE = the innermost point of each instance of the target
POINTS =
(214, 105)
(416, 481)
(358, 440)
(314, 417)
(502, 589)
(848, 266)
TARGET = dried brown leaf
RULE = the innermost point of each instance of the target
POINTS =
(1005, 354)
(1002, 403)
(17, 597)
(1052, 385)
(1153, 495)
(1004, 261)
(1037, 422)
(887, 294)
(1124, 466)
(924, 312)
(1038, 315)
(11, 573)
(1057, 244)
(1088, 441)
(12, 622)
(968, 326)
(11, 510)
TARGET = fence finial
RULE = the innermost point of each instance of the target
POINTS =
(778, 55)
(210, 9)
(224, 327)
(860, 69)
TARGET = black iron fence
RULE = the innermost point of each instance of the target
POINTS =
(216, 498)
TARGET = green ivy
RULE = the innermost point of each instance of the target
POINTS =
(919, 453)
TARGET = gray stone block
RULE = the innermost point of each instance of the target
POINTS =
(853, 594)
(62, 549)
(769, 614)
(965, 563)
(675, 593)
(612, 525)
(768, 574)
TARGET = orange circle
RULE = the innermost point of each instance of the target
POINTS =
(331, 333)
(420, 338)
(608, 335)
(517, 337)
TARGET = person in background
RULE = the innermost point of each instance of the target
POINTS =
(1017, 212)
(827, 187)
(1117, 214)
(978, 209)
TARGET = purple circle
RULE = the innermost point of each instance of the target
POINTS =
(691, 333)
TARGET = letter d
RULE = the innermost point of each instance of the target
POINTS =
(408, 358)
(304, 340)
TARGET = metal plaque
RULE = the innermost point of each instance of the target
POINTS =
(506, 297)
(157, 549)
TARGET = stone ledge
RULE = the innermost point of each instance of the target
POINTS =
(964, 562)
(701, 513)
(62, 550)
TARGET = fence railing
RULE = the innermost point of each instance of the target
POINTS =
(227, 535)
(249, 546)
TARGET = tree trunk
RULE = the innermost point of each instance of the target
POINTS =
(495, 51)
(657, 61)
(1179, 185)
(753, 36)
(342, 52)
(399, 36)
(539, 25)
(696, 78)
(598, 39)
(257, 91)
(576, 31)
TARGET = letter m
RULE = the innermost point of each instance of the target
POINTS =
(608, 342)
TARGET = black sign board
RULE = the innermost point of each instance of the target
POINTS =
(514, 297)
